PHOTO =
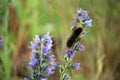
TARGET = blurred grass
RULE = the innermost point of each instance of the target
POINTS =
(20, 20)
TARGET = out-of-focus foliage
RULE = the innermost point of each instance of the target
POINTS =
(20, 20)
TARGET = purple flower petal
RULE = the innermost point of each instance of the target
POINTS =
(41, 76)
(76, 66)
(80, 47)
(85, 16)
(70, 53)
(87, 23)
(48, 43)
(36, 39)
(47, 36)
(33, 45)
(74, 24)
(80, 11)
(54, 65)
(32, 63)
(66, 77)
(45, 50)
(76, 17)
(48, 70)
(50, 58)
(1, 44)
(40, 37)
(27, 78)
(0, 38)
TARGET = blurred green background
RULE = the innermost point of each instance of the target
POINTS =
(21, 20)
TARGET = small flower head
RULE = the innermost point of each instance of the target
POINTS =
(76, 17)
(74, 24)
(40, 37)
(48, 43)
(48, 70)
(0, 38)
(38, 76)
(85, 16)
(27, 78)
(50, 58)
(87, 23)
(66, 77)
(54, 65)
(69, 53)
(75, 66)
(35, 54)
(45, 50)
(1, 44)
(33, 45)
(82, 19)
(36, 39)
(47, 36)
(40, 60)
(33, 63)
(80, 47)
(80, 11)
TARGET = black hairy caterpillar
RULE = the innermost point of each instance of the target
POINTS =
(74, 36)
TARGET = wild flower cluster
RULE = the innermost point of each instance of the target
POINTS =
(1, 41)
(82, 19)
(42, 64)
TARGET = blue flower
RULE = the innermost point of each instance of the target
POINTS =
(33, 62)
(87, 23)
(45, 50)
(76, 66)
(48, 43)
(70, 53)
(40, 61)
(53, 65)
(33, 45)
(36, 39)
(74, 24)
(27, 78)
(40, 76)
(80, 47)
(1, 44)
(50, 58)
(81, 18)
(0, 38)
(76, 17)
(48, 70)
(44, 79)
(35, 54)
(40, 37)
(47, 36)
(66, 77)
(85, 16)
(80, 11)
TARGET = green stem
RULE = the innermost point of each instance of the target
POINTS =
(41, 56)
(63, 72)
(66, 65)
